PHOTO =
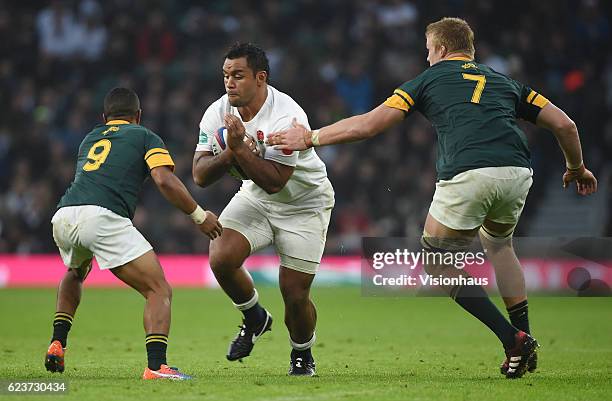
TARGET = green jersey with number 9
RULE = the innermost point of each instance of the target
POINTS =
(473, 110)
(113, 162)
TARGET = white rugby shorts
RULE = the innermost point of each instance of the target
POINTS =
(494, 193)
(298, 232)
(82, 232)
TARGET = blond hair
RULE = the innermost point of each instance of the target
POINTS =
(454, 34)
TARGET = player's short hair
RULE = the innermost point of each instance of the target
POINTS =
(255, 56)
(454, 34)
(121, 102)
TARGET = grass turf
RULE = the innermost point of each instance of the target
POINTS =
(367, 349)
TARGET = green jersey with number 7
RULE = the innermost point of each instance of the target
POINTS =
(473, 110)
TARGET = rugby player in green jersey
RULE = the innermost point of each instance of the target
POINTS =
(94, 219)
(483, 169)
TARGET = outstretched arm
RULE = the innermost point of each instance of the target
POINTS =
(350, 129)
(554, 119)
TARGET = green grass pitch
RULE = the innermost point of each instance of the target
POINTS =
(368, 349)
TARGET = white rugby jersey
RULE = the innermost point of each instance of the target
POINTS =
(276, 114)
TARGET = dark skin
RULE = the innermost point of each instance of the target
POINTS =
(144, 273)
(247, 91)
(269, 175)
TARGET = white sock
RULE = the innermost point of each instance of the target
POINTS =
(303, 347)
(248, 304)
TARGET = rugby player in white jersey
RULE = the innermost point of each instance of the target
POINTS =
(286, 203)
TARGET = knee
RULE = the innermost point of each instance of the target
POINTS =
(159, 289)
(80, 274)
(432, 269)
(221, 264)
(437, 251)
(494, 243)
(75, 275)
(296, 301)
(223, 260)
(295, 296)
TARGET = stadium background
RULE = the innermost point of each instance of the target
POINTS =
(335, 58)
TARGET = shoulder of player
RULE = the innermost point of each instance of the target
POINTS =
(490, 70)
(505, 78)
(139, 130)
(138, 133)
(285, 104)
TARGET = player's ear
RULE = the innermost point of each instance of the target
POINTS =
(261, 77)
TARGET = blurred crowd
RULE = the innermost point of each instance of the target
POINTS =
(335, 58)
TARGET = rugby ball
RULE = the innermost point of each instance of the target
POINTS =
(218, 145)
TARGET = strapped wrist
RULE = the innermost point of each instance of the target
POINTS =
(198, 215)
(314, 138)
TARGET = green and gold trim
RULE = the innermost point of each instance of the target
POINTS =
(400, 100)
(158, 157)
(536, 99)
(66, 317)
(156, 338)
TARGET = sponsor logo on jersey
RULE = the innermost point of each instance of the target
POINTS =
(260, 135)
(287, 152)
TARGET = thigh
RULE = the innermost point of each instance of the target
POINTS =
(462, 202)
(299, 236)
(248, 218)
(437, 229)
(438, 238)
(229, 250)
(143, 273)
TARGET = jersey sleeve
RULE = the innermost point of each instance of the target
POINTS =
(209, 124)
(529, 104)
(286, 157)
(156, 153)
(406, 97)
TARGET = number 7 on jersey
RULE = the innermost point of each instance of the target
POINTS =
(481, 80)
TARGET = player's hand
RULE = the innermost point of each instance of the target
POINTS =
(211, 226)
(250, 142)
(235, 131)
(586, 183)
(294, 138)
